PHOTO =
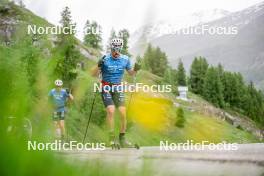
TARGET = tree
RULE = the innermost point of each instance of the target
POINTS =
(147, 58)
(163, 64)
(29, 62)
(197, 73)
(124, 35)
(92, 37)
(139, 59)
(170, 77)
(66, 20)
(226, 89)
(158, 62)
(254, 103)
(241, 90)
(213, 88)
(180, 118)
(181, 77)
(234, 89)
(70, 55)
(155, 61)
(21, 3)
(112, 36)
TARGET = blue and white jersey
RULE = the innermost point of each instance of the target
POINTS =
(113, 68)
(59, 98)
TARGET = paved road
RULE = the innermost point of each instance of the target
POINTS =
(247, 160)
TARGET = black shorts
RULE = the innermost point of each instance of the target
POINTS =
(58, 116)
(113, 98)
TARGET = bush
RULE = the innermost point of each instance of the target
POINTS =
(180, 118)
(98, 113)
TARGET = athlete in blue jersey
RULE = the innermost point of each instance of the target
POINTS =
(112, 67)
(58, 97)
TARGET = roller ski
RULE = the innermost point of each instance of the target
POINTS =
(124, 143)
(114, 144)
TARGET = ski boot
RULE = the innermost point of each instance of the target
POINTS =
(124, 143)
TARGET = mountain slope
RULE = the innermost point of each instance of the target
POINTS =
(153, 30)
(242, 52)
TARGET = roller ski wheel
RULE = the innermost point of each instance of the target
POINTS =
(136, 146)
(126, 144)
(114, 145)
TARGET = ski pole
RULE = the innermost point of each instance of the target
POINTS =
(89, 119)
(90, 115)
(138, 65)
(134, 81)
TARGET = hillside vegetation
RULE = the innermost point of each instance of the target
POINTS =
(28, 67)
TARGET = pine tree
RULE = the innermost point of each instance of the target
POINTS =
(30, 62)
(158, 62)
(261, 107)
(181, 74)
(66, 65)
(233, 89)
(260, 104)
(170, 77)
(227, 89)
(213, 88)
(124, 34)
(112, 36)
(197, 73)
(221, 71)
(139, 59)
(241, 90)
(66, 20)
(147, 58)
(21, 4)
(155, 61)
(254, 103)
(92, 37)
(163, 63)
(180, 118)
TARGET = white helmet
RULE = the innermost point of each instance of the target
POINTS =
(116, 44)
(58, 82)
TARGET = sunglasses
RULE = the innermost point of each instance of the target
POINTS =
(116, 49)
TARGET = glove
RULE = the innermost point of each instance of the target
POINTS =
(68, 90)
(101, 61)
(137, 66)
